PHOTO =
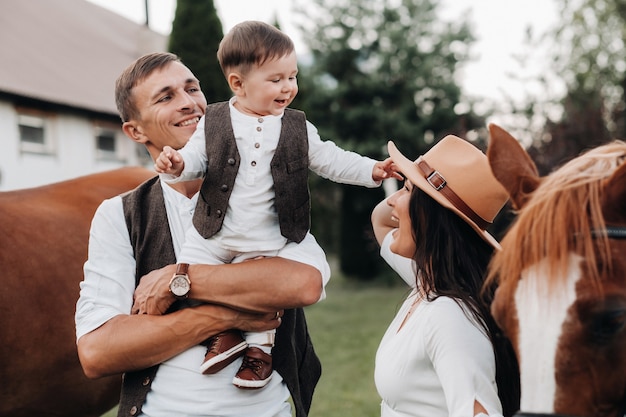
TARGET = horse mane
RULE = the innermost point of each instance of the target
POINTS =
(560, 217)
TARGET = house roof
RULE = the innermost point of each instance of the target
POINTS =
(68, 52)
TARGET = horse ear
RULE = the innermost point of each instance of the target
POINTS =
(614, 196)
(512, 166)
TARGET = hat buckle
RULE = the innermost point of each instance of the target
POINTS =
(436, 176)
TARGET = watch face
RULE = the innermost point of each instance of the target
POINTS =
(179, 286)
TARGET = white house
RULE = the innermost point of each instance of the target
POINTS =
(58, 63)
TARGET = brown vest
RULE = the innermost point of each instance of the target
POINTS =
(293, 355)
(289, 167)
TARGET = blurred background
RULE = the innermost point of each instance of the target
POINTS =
(552, 72)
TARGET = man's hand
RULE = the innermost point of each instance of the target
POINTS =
(152, 295)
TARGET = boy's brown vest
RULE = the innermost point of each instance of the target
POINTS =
(293, 356)
(289, 166)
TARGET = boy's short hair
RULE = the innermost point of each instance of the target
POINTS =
(252, 43)
(134, 74)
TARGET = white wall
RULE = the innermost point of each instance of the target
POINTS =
(74, 151)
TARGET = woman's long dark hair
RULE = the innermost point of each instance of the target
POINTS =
(452, 261)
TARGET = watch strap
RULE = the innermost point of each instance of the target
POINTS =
(181, 269)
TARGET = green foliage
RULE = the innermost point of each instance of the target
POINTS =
(591, 60)
(358, 246)
(381, 70)
(196, 34)
(589, 47)
(588, 55)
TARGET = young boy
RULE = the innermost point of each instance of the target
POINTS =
(254, 153)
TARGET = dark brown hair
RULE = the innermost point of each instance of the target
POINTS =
(452, 261)
(252, 43)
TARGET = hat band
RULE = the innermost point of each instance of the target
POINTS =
(438, 182)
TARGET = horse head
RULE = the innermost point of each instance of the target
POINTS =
(561, 276)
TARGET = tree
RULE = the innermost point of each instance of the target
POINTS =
(589, 57)
(592, 53)
(196, 34)
(381, 70)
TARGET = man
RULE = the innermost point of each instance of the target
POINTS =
(133, 245)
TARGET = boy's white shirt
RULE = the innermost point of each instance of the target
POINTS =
(251, 216)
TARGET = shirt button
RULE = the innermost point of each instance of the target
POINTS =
(253, 163)
(258, 128)
(257, 145)
(260, 120)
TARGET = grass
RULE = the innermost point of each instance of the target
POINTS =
(346, 329)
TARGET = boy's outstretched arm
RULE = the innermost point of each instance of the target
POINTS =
(169, 162)
(385, 169)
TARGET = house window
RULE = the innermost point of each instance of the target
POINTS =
(34, 135)
(107, 147)
(105, 141)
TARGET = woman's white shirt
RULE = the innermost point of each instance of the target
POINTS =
(438, 362)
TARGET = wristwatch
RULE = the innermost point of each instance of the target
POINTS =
(180, 284)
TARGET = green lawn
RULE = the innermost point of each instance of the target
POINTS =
(346, 329)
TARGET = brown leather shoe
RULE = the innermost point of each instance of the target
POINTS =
(222, 350)
(255, 371)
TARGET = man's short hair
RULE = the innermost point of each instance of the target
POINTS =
(134, 74)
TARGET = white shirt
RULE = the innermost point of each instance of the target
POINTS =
(251, 221)
(438, 363)
(179, 389)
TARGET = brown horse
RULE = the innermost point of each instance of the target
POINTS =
(562, 279)
(43, 245)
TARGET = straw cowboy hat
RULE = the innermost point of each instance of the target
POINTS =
(458, 176)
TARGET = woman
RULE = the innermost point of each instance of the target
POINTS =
(442, 354)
